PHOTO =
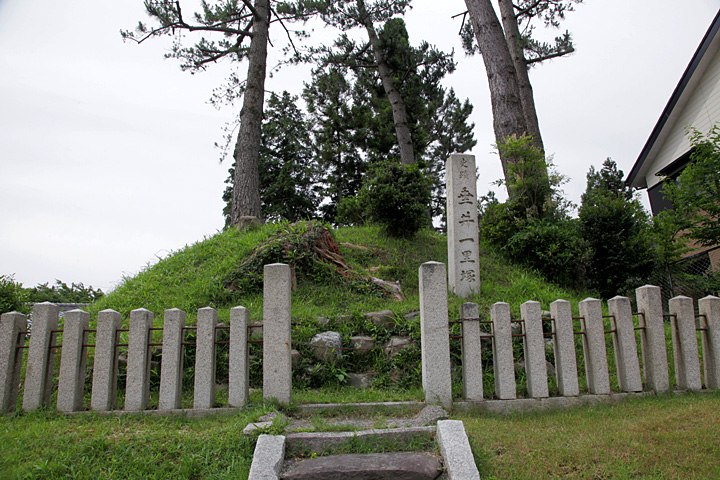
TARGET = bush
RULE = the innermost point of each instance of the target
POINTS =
(397, 197)
(12, 295)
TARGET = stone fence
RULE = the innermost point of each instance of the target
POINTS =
(635, 373)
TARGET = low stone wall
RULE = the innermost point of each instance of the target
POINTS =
(536, 331)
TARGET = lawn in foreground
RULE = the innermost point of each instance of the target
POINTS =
(666, 437)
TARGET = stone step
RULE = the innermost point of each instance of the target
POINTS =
(372, 466)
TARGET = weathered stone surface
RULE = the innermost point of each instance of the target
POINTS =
(654, 353)
(455, 449)
(396, 344)
(625, 344)
(685, 346)
(596, 364)
(137, 389)
(382, 319)
(172, 364)
(374, 466)
(535, 364)
(104, 386)
(710, 313)
(462, 225)
(360, 380)
(320, 442)
(38, 377)
(362, 344)
(564, 343)
(72, 361)
(430, 415)
(323, 320)
(11, 324)
(295, 358)
(503, 366)
(204, 392)
(471, 352)
(434, 334)
(239, 374)
(268, 458)
(326, 346)
(277, 341)
(247, 222)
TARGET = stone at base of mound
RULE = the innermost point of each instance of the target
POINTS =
(373, 466)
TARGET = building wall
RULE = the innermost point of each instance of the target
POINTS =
(701, 111)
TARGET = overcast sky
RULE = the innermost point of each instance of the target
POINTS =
(106, 149)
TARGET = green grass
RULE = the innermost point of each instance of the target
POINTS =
(666, 437)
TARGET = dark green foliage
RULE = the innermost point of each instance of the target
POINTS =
(533, 227)
(397, 197)
(617, 229)
(12, 296)
(354, 119)
(288, 174)
(62, 293)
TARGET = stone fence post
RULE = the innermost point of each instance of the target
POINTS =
(38, 370)
(534, 348)
(204, 393)
(596, 364)
(71, 380)
(239, 381)
(434, 334)
(11, 324)
(564, 346)
(105, 368)
(685, 346)
(710, 309)
(654, 353)
(137, 390)
(625, 345)
(503, 362)
(171, 368)
(277, 344)
(471, 352)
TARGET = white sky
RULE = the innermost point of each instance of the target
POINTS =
(106, 149)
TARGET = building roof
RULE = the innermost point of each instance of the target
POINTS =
(679, 99)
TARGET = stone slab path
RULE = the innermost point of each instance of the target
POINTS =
(374, 466)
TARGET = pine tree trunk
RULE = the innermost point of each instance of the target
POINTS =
(402, 129)
(508, 115)
(246, 186)
(512, 37)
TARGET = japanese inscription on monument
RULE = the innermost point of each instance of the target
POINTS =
(462, 225)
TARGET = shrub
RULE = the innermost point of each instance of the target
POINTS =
(397, 197)
(12, 295)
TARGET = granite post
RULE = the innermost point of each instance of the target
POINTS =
(654, 353)
(239, 381)
(625, 345)
(471, 352)
(277, 344)
(40, 359)
(685, 346)
(503, 363)
(434, 334)
(710, 309)
(564, 346)
(596, 364)
(462, 225)
(171, 368)
(71, 380)
(204, 393)
(105, 368)
(137, 389)
(534, 348)
(11, 324)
